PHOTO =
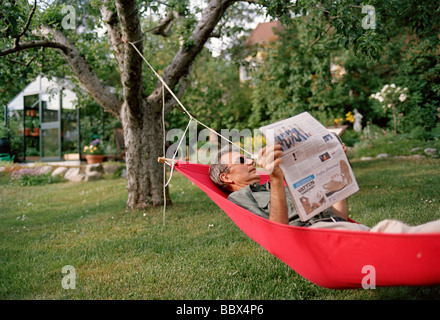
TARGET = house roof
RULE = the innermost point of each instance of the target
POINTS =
(264, 33)
(48, 87)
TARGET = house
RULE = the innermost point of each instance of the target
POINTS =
(43, 121)
(262, 36)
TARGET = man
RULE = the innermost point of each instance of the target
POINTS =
(237, 176)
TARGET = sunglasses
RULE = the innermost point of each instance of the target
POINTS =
(239, 160)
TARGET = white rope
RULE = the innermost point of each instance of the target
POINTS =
(182, 106)
(175, 153)
(163, 152)
(165, 184)
(191, 118)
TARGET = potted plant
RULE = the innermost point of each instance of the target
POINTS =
(27, 126)
(94, 151)
(36, 126)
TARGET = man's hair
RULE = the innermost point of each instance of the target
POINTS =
(217, 168)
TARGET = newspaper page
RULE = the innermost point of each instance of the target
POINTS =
(316, 169)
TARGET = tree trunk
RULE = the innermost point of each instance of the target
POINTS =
(144, 141)
(140, 115)
(142, 121)
(395, 120)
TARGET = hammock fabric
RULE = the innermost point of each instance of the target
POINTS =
(333, 258)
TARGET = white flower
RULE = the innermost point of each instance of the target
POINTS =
(376, 95)
(393, 85)
(402, 97)
(380, 99)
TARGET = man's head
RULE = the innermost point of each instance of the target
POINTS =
(231, 171)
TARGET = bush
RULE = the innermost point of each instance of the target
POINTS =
(33, 177)
(419, 133)
(435, 133)
(351, 137)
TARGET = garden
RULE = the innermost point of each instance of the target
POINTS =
(188, 254)
(112, 237)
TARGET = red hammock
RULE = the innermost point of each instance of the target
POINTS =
(332, 258)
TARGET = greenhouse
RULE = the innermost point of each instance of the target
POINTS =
(43, 122)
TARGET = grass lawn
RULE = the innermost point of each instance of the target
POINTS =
(199, 254)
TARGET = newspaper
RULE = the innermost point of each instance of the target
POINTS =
(316, 169)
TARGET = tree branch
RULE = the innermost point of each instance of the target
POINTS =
(131, 75)
(320, 36)
(79, 65)
(181, 62)
(22, 63)
(164, 26)
(34, 44)
(6, 30)
(163, 3)
(28, 22)
(111, 22)
(84, 73)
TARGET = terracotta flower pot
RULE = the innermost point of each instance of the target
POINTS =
(94, 158)
(36, 132)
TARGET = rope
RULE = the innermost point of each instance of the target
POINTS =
(180, 103)
(191, 118)
(174, 155)
(163, 150)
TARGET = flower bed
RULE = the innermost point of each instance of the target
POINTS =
(33, 176)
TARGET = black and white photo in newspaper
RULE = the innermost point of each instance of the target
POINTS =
(316, 169)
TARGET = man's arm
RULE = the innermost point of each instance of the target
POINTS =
(341, 209)
(278, 202)
(270, 158)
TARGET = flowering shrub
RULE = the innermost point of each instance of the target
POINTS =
(349, 117)
(95, 147)
(389, 97)
(32, 177)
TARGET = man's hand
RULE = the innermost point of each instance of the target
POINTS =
(270, 158)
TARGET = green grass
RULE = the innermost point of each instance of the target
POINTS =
(392, 145)
(198, 254)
